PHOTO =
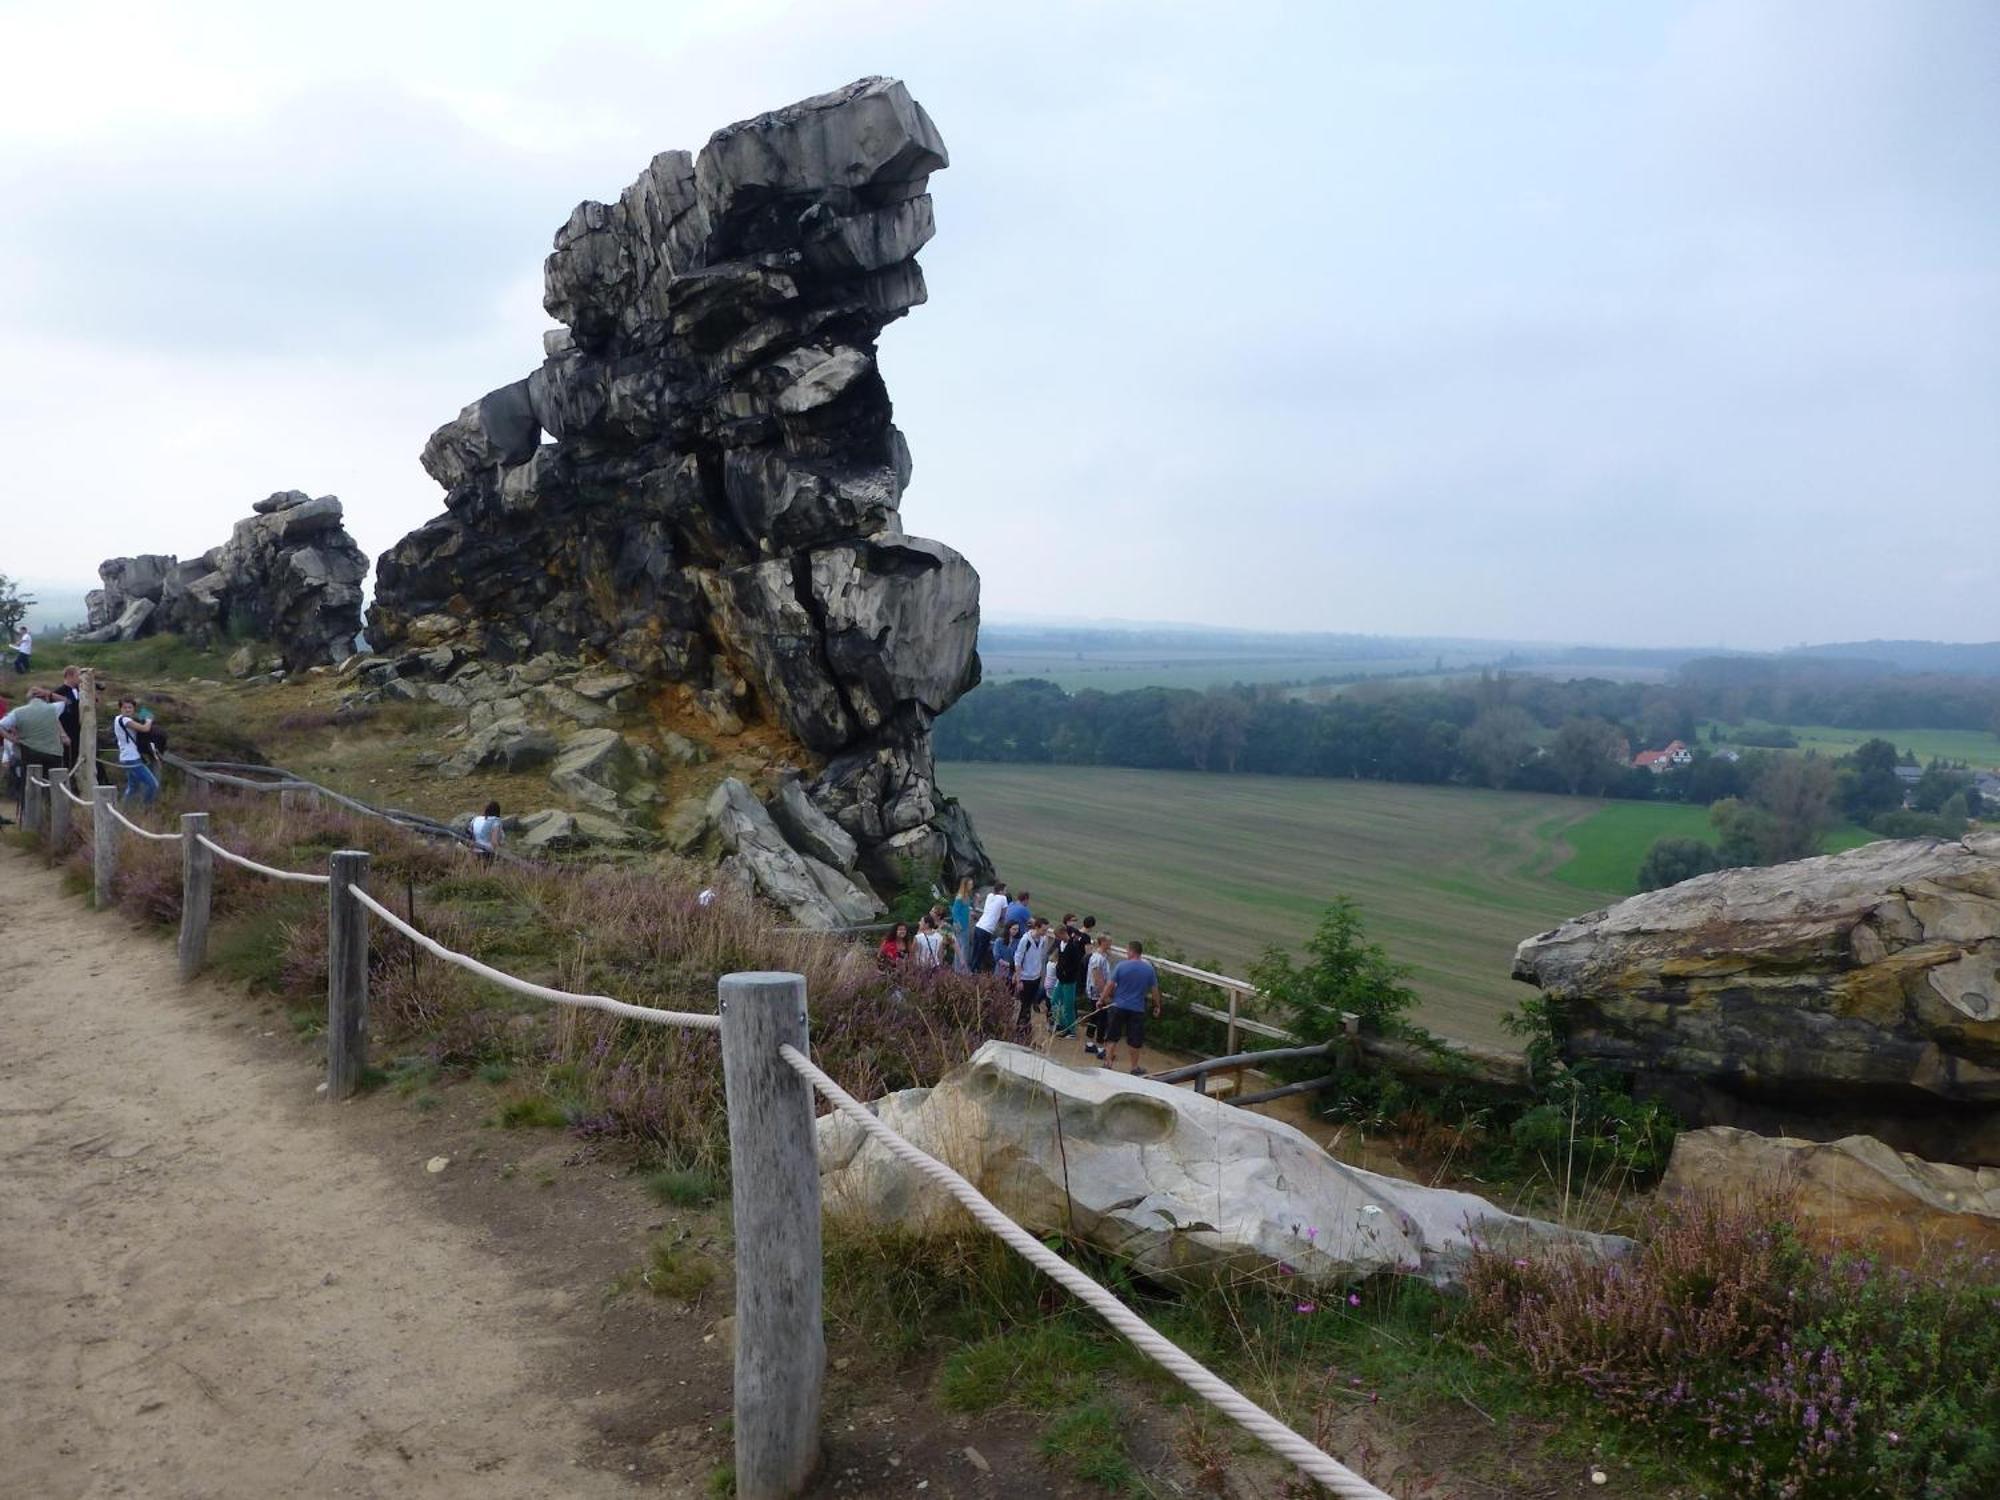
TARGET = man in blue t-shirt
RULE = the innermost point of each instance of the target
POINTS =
(1018, 912)
(1135, 989)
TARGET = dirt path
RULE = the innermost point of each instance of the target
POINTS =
(204, 1290)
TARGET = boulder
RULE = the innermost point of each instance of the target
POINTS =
(596, 767)
(1855, 1191)
(1854, 993)
(814, 894)
(716, 509)
(549, 830)
(510, 745)
(809, 830)
(1185, 1187)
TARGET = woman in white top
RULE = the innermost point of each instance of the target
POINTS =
(929, 946)
(486, 832)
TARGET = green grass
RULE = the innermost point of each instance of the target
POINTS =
(685, 1189)
(676, 1271)
(1976, 747)
(1222, 867)
(1611, 842)
(157, 657)
(1120, 671)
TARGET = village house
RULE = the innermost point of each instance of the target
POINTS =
(1659, 762)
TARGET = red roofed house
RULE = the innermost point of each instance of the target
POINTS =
(1661, 761)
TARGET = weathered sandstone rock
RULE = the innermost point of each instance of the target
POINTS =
(289, 574)
(1854, 1191)
(1181, 1185)
(816, 894)
(697, 493)
(1851, 993)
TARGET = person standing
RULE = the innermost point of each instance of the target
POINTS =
(991, 923)
(929, 947)
(24, 652)
(961, 926)
(36, 733)
(486, 831)
(1018, 912)
(1135, 989)
(895, 947)
(1097, 993)
(1003, 954)
(1029, 960)
(70, 696)
(127, 729)
(1072, 953)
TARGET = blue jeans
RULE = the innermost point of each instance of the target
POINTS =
(140, 778)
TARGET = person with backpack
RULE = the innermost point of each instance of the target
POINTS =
(1030, 959)
(1072, 954)
(129, 729)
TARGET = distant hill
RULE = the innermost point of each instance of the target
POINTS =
(1974, 659)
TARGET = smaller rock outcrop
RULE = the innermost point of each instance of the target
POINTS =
(289, 575)
(816, 893)
(1855, 1191)
(1854, 993)
(1183, 1186)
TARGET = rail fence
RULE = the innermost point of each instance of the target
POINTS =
(770, 1083)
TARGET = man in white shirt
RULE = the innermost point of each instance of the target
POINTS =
(24, 651)
(987, 928)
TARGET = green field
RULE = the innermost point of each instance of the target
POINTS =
(1611, 842)
(1120, 671)
(1975, 747)
(1221, 867)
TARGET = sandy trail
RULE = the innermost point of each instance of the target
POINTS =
(205, 1289)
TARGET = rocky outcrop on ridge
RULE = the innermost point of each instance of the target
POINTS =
(289, 575)
(1184, 1186)
(714, 510)
(1855, 993)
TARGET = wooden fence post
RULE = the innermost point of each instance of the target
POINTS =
(59, 804)
(1230, 1049)
(346, 974)
(86, 739)
(104, 844)
(774, 1196)
(197, 893)
(31, 799)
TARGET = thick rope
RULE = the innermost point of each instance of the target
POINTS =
(303, 877)
(144, 833)
(695, 1020)
(1226, 1398)
(61, 784)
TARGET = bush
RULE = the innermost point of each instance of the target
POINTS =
(1672, 860)
(1794, 1373)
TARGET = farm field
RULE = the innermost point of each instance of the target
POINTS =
(1975, 747)
(1610, 843)
(1121, 671)
(1222, 867)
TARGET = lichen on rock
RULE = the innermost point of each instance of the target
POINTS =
(700, 487)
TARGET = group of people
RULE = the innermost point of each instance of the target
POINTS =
(1054, 970)
(45, 732)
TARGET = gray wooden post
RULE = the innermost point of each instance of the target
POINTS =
(59, 805)
(346, 974)
(86, 739)
(197, 893)
(104, 844)
(31, 799)
(774, 1194)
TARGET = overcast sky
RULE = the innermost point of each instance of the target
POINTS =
(1674, 323)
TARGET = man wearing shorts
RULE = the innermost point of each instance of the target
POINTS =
(1135, 989)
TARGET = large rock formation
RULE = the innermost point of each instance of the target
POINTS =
(1855, 1191)
(289, 575)
(1853, 993)
(1182, 1185)
(715, 508)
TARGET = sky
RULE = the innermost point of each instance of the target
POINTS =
(1637, 323)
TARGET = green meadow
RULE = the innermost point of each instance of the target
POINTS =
(1976, 747)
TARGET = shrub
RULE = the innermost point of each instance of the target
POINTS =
(1672, 860)
(1794, 1373)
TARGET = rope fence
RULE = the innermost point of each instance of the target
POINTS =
(303, 877)
(691, 1019)
(770, 1085)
